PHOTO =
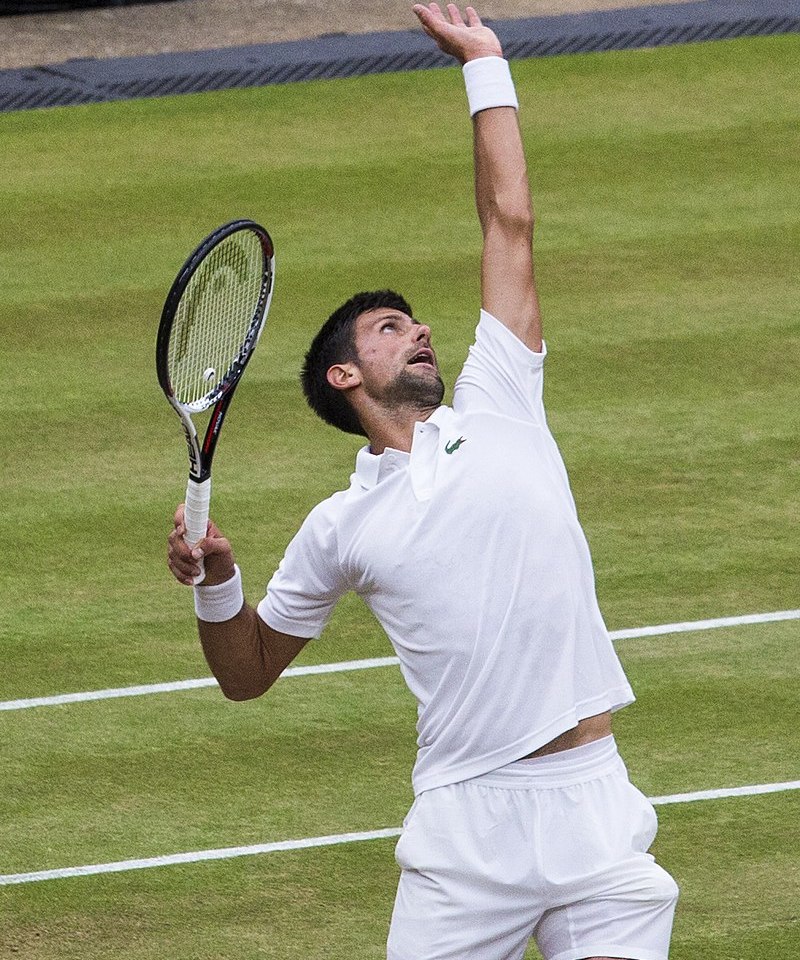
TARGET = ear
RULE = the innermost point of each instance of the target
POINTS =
(343, 376)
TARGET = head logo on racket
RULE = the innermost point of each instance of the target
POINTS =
(210, 325)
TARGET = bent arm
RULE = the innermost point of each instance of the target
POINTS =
(245, 654)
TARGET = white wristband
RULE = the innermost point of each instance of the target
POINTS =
(489, 84)
(219, 602)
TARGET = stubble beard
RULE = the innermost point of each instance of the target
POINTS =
(414, 391)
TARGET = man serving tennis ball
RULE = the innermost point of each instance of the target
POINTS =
(460, 533)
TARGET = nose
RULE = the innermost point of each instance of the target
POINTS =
(422, 332)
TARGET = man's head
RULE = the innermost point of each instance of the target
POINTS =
(365, 349)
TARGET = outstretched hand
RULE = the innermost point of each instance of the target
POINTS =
(463, 40)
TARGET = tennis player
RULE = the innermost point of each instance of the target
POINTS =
(460, 532)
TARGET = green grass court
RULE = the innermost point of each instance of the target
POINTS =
(665, 183)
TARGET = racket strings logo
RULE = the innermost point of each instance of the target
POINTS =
(228, 268)
(210, 325)
(453, 445)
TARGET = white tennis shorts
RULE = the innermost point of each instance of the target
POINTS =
(553, 848)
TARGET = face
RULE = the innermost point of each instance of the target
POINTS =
(395, 360)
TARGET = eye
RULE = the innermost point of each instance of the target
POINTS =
(389, 325)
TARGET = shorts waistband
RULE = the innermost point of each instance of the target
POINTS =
(579, 764)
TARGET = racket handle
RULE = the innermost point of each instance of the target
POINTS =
(198, 498)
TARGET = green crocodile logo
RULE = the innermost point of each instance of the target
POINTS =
(454, 445)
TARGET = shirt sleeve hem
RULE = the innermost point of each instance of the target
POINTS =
(496, 328)
(304, 631)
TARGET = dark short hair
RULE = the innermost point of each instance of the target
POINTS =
(336, 343)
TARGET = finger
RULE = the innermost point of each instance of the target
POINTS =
(210, 547)
(178, 531)
(428, 29)
(183, 569)
(180, 561)
(427, 16)
(186, 579)
(178, 547)
(191, 536)
(184, 572)
(181, 555)
(434, 23)
(437, 14)
(455, 15)
(213, 530)
(472, 18)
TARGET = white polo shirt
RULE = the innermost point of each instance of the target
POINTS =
(470, 554)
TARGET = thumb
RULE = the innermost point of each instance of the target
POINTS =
(217, 555)
(213, 544)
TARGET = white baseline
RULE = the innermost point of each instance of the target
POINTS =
(227, 853)
(175, 685)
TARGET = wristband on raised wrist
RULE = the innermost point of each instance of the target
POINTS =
(489, 84)
(219, 602)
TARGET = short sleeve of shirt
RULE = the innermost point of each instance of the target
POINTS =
(309, 580)
(501, 375)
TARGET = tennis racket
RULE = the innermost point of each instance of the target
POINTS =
(211, 322)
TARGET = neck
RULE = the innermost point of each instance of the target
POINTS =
(394, 428)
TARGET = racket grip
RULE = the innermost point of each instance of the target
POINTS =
(198, 498)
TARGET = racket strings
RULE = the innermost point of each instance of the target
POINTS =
(214, 319)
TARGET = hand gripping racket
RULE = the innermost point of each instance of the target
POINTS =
(210, 325)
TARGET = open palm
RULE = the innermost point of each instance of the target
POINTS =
(463, 40)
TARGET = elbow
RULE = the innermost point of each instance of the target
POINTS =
(240, 696)
(519, 225)
(519, 217)
(240, 691)
(514, 220)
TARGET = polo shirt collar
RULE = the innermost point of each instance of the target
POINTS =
(371, 468)
(440, 416)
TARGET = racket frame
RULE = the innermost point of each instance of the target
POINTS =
(201, 454)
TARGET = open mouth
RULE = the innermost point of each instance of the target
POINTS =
(424, 356)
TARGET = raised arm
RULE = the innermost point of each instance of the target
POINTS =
(502, 190)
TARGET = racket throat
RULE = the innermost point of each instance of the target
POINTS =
(199, 466)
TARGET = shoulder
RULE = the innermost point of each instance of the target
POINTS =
(494, 336)
(326, 513)
(501, 374)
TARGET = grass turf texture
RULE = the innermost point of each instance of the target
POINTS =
(108, 786)
(665, 184)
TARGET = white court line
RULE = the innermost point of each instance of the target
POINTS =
(756, 790)
(172, 686)
(691, 625)
(227, 853)
(347, 665)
